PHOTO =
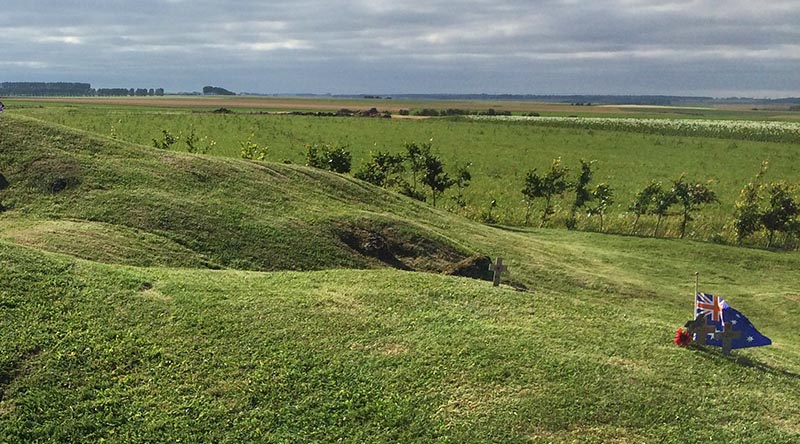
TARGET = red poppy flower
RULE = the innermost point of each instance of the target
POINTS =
(682, 337)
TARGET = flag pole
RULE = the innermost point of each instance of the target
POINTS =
(696, 289)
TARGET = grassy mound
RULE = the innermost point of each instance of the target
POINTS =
(221, 212)
(113, 244)
(143, 342)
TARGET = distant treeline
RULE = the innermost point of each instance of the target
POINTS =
(582, 99)
(45, 89)
(660, 100)
(141, 92)
(71, 89)
(458, 112)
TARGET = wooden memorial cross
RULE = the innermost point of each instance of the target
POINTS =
(728, 335)
(498, 269)
(700, 328)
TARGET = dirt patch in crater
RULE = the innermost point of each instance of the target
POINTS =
(412, 248)
(53, 174)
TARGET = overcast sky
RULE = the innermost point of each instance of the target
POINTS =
(683, 47)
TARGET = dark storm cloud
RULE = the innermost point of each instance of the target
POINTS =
(621, 46)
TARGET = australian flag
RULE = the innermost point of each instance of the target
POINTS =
(717, 312)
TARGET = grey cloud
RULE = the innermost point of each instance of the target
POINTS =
(548, 46)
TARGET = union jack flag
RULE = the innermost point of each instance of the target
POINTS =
(709, 304)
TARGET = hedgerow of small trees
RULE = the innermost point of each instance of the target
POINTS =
(656, 200)
(771, 208)
(780, 215)
(556, 182)
(194, 143)
(426, 169)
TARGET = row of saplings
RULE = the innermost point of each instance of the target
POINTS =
(384, 169)
(768, 207)
(761, 206)
(388, 170)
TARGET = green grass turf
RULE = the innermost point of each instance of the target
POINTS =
(173, 350)
(92, 352)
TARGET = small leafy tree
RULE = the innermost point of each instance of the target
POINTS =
(780, 215)
(461, 181)
(691, 196)
(554, 183)
(582, 193)
(191, 140)
(339, 159)
(314, 157)
(643, 202)
(201, 145)
(747, 212)
(531, 191)
(416, 155)
(435, 178)
(166, 142)
(250, 150)
(603, 196)
(662, 200)
(383, 170)
(328, 157)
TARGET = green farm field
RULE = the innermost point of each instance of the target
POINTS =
(500, 152)
(159, 296)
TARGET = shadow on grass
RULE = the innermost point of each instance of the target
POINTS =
(745, 361)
